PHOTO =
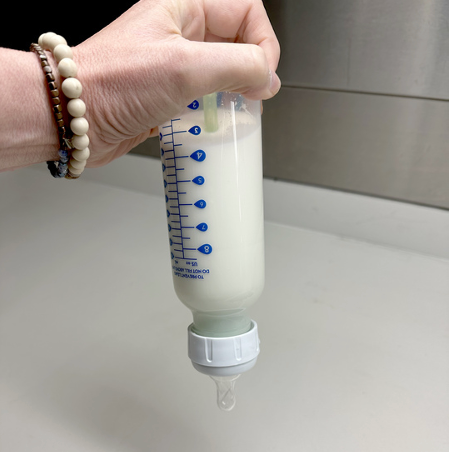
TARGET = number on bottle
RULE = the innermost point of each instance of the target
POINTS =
(201, 204)
(194, 105)
(198, 155)
(195, 130)
(199, 180)
(205, 249)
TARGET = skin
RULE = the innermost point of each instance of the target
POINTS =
(138, 72)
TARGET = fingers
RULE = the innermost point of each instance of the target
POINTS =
(243, 21)
(241, 68)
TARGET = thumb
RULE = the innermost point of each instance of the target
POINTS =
(239, 68)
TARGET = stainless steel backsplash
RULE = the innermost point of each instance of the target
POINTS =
(364, 102)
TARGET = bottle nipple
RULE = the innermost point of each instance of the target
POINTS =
(225, 391)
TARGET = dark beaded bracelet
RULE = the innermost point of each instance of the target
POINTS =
(57, 169)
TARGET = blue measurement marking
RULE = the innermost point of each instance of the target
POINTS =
(205, 249)
(199, 180)
(178, 238)
(201, 204)
(176, 193)
(194, 105)
(198, 155)
(195, 130)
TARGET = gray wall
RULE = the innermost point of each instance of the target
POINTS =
(364, 102)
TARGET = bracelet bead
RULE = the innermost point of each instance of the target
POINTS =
(45, 36)
(50, 40)
(71, 88)
(79, 126)
(67, 68)
(62, 51)
(81, 154)
(75, 171)
(64, 155)
(80, 141)
(76, 108)
(78, 164)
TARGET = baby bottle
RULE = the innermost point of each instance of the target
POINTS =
(212, 172)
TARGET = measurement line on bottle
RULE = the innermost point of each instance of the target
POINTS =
(178, 193)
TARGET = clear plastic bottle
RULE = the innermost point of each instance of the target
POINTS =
(212, 170)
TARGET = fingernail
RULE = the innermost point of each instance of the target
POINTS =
(275, 82)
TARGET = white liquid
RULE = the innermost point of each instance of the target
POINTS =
(231, 276)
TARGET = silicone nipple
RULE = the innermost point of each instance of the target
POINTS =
(225, 391)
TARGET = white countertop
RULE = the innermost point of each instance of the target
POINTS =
(354, 335)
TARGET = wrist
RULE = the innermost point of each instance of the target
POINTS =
(28, 133)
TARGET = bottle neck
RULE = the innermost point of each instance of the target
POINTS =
(221, 324)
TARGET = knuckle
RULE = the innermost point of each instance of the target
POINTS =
(258, 64)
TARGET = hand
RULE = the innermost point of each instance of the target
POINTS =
(160, 55)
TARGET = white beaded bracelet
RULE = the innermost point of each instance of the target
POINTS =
(72, 89)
